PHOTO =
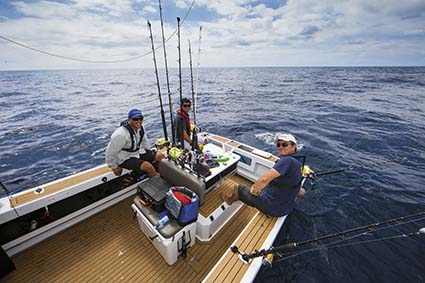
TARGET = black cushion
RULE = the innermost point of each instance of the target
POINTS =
(177, 176)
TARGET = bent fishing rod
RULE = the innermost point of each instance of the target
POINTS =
(173, 134)
(194, 135)
(164, 126)
(284, 248)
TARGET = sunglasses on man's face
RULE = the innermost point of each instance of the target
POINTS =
(138, 119)
(282, 144)
(186, 105)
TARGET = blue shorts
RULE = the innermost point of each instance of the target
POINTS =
(134, 163)
(255, 201)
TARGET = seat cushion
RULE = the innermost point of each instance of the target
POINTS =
(177, 176)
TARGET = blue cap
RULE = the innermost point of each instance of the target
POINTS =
(134, 113)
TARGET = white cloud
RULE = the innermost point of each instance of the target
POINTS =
(45, 9)
(149, 9)
(241, 32)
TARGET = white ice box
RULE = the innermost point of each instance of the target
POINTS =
(172, 240)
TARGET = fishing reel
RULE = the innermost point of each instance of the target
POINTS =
(161, 143)
(309, 175)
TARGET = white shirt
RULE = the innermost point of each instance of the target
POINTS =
(120, 139)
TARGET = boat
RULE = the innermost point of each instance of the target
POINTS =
(94, 226)
(88, 226)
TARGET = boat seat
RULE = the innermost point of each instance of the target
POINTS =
(177, 176)
(168, 230)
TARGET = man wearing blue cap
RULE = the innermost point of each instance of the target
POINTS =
(129, 147)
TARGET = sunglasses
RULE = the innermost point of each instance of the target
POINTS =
(138, 119)
(282, 144)
(186, 105)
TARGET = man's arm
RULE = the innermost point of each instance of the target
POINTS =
(261, 183)
(187, 138)
(114, 147)
(145, 142)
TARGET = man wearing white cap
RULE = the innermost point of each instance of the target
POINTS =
(275, 192)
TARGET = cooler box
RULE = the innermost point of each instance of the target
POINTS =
(172, 240)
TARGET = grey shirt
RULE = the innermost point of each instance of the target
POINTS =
(180, 126)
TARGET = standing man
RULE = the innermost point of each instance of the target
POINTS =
(182, 124)
(129, 147)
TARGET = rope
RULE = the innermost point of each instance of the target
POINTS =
(95, 61)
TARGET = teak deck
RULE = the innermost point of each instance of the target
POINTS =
(58, 186)
(109, 247)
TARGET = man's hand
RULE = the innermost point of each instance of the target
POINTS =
(117, 171)
(301, 193)
(254, 192)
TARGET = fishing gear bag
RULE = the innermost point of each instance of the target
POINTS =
(183, 204)
(153, 193)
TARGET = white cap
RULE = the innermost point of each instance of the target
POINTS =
(286, 137)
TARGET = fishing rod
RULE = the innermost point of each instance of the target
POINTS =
(180, 61)
(180, 77)
(194, 135)
(333, 245)
(173, 134)
(362, 165)
(164, 126)
(284, 248)
(197, 78)
(9, 195)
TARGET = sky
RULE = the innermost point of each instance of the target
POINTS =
(235, 33)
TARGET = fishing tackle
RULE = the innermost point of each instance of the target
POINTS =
(312, 176)
(194, 134)
(368, 228)
(164, 126)
(181, 141)
(173, 134)
(195, 106)
(362, 165)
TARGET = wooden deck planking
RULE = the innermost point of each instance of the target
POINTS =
(231, 268)
(227, 264)
(255, 244)
(89, 252)
(214, 196)
(58, 186)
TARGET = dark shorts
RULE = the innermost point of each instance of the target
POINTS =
(134, 163)
(255, 201)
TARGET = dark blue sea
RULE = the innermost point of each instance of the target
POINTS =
(56, 123)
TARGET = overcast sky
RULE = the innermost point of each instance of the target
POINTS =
(234, 32)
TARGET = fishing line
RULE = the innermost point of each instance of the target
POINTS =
(371, 227)
(95, 61)
(350, 244)
(350, 147)
(370, 232)
(396, 160)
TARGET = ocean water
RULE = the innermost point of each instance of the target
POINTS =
(56, 123)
